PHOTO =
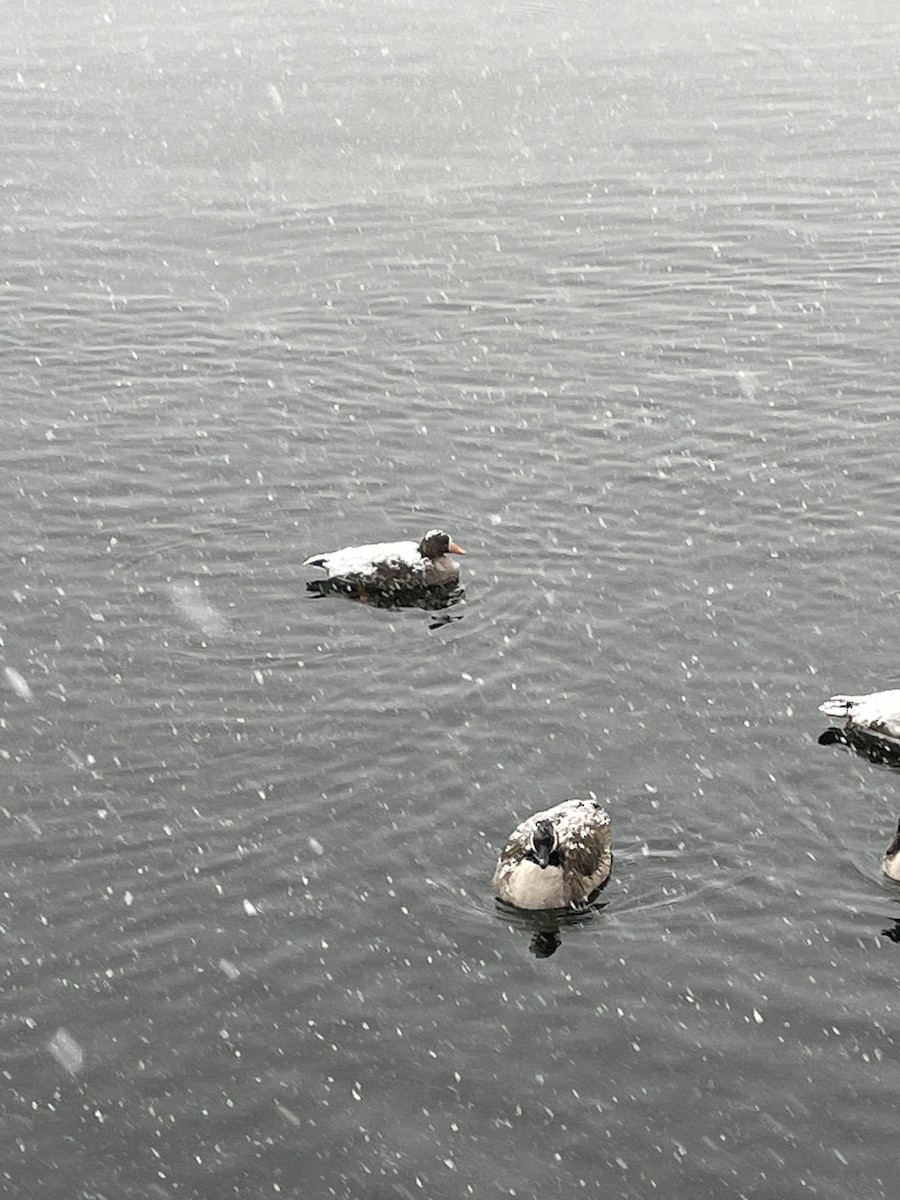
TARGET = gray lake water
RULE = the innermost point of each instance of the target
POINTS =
(610, 292)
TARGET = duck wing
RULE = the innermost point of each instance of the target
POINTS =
(517, 845)
(585, 834)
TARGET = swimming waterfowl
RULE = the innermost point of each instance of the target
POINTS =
(891, 861)
(877, 713)
(391, 568)
(556, 858)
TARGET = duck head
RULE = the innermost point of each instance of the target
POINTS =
(436, 543)
(543, 842)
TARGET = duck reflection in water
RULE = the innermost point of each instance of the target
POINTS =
(546, 925)
(881, 751)
(431, 599)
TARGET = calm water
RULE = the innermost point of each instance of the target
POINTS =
(613, 296)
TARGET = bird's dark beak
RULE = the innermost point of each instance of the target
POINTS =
(542, 854)
(454, 549)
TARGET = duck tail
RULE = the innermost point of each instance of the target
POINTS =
(840, 706)
(317, 560)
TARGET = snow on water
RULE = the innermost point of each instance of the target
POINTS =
(290, 1117)
(66, 1051)
(189, 601)
(18, 683)
(30, 823)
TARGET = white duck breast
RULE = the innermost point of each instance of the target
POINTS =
(877, 713)
(556, 858)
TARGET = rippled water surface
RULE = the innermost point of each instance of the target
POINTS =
(609, 292)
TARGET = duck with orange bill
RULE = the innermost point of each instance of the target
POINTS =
(391, 570)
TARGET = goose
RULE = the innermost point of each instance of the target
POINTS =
(389, 568)
(891, 862)
(556, 858)
(877, 713)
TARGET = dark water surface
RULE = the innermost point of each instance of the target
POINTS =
(613, 294)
